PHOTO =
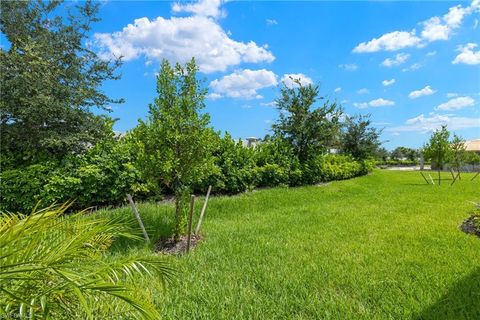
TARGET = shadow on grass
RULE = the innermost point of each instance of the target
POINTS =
(462, 301)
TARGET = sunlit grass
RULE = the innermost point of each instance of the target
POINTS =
(382, 246)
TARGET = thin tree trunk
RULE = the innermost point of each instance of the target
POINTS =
(190, 218)
(176, 234)
(438, 177)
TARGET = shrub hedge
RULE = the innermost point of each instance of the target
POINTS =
(108, 171)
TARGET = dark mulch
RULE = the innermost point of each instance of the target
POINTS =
(471, 225)
(170, 246)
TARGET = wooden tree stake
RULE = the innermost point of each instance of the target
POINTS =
(433, 182)
(455, 178)
(190, 218)
(475, 176)
(424, 177)
(137, 215)
(199, 223)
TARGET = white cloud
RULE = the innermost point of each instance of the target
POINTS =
(452, 95)
(349, 66)
(337, 90)
(435, 121)
(269, 104)
(271, 22)
(422, 92)
(467, 54)
(289, 79)
(178, 39)
(363, 91)
(204, 8)
(243, 84)
(214, 96)
(391, 41)
(380, 102)
(396, 61)
(413, 67)
(431, 53)
(387, 83)
(456, 103)
(435, 28)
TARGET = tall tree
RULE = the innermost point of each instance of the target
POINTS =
(438, 149)
(50, 80)
(309, 130)
(360, 139)
(175, 142)
(458, 153)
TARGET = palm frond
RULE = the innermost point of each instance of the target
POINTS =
(53, 265)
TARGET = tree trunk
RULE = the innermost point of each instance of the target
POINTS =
(178, 218)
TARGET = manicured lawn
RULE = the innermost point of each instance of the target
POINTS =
(384, 246)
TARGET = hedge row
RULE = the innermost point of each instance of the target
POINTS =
(104, 175)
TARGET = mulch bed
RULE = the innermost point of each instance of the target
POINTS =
(170, 246)
(468, 226)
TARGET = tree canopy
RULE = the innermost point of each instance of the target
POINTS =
(50, 80)
(174, 143)
(308, 129)
(360, 139)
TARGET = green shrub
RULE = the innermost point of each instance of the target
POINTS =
(277, 164)
(335, 167)
(101, 177)
(233, 170)
(271, 175)
(21, 188)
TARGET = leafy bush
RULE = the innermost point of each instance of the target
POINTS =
(397, 163)
(53, 267)
(277, 164)
(335, 167)
(271, 175)
(234, 170)
(21, 188)
(101, 177)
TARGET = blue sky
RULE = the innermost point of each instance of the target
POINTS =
(412, 65)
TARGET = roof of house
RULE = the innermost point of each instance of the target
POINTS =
(472, 145)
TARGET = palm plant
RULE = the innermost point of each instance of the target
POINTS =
(53, 266)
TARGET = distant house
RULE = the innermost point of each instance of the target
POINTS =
(473, 145)
(251, 142)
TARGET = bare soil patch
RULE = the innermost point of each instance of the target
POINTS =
(472, 225)
(170, 246)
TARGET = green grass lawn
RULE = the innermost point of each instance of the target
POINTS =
(384, 246)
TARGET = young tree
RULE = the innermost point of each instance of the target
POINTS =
(50, 80)
(458, 153)
(310, 131)
(360, 139)
(438, 149)
(175, 142)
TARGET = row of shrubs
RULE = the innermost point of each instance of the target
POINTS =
(397, 163)
(107, 172)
